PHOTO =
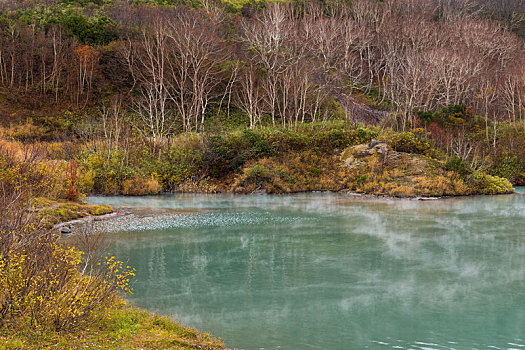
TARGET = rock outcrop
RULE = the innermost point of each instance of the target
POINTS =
(357, 157)
(378, 169)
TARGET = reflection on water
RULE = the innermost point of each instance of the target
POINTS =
(327, 271)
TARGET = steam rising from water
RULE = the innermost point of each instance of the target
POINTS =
(332, 272)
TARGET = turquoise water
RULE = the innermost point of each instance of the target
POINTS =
(330, 271)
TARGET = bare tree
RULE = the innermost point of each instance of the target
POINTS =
(266, 37)
(196, 66)
(248, 94)
(147, 59)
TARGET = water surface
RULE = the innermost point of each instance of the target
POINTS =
(331, 271)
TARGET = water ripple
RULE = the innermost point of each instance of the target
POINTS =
(210, 219)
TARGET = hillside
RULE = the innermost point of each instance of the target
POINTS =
(125, 84)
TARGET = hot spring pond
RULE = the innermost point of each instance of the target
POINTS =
(332, 271)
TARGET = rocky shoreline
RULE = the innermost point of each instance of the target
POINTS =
(122, 219)
(67, 227)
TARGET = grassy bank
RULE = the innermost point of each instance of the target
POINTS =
(274, 160)
(119, 326)
(51, 212)
(56, 295)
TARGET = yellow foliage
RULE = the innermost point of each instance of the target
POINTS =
(140, 186)
(43, 282)
(59, 290)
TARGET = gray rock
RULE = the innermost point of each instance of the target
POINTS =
(374, 143)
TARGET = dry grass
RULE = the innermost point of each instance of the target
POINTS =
(293, 172)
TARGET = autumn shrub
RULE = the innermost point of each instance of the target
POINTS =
(29, 172)
(102, 171)
(86, 181)
(402, 191)
(26, 132)
(43, 149)
(72, 192)
(141, 186)
(54, 286)
(30, 165)
(370, 187)
(446, 184)
(520, 180)
(66, 150)
(45, 284)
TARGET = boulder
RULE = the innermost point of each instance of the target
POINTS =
(358, 156)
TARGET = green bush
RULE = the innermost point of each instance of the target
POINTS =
(103, 173)
(181, 164)
(257, 173)
(94, 30)
(226, 153)
(456, 164)
(409, 142)
(452, 116)
(509, 167)
(488, 184)
(426, 116)
(220, 120)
